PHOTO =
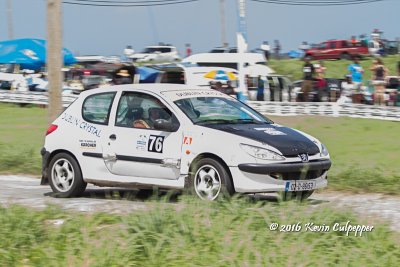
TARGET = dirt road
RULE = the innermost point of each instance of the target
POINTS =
(26, 191)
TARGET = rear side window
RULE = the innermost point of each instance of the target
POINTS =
(96, 108)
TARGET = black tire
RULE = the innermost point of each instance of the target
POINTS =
(299, 196)
(221, 176)
(69, 171)
(345, 56)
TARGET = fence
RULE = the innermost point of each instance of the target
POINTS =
(265, 107)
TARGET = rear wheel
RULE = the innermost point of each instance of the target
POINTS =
(65, 176)
(210, 180)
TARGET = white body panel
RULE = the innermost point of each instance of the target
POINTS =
(95, 151)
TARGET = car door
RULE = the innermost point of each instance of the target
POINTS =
(133, 147)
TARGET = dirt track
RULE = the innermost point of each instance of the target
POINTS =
(26, 191)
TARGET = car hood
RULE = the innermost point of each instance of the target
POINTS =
(288, 141)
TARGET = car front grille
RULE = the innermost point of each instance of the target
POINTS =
(297, 175)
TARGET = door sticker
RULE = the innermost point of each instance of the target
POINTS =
(141, 144)
(155, 143)
(187, 140)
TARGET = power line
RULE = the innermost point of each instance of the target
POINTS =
(317, 2)
(128, 4)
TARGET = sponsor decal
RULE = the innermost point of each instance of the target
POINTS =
(88, 144)
(156, 143)
(81, 124)
(141, 144)
(187, 140)
(303, 157)
(270, 131)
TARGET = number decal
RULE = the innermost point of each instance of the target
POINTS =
(156, 143)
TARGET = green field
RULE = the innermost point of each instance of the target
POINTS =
(365, 152)
(193, 233)
(335, 68)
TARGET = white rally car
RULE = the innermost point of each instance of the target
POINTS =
(175, 136)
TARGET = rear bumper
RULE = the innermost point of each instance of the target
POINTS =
(45, 163)
(285, 167)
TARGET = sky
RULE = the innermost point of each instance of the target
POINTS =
(108, 30)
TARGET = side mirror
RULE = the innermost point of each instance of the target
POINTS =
(165, 125)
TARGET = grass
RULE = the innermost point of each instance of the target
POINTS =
(192, 233)
(22, 131)
(364, 151)
(335, 68)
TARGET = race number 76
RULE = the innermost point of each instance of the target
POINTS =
(155, 143)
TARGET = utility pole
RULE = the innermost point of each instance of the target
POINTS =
(54, 58)
(222, 16)
(10, 20)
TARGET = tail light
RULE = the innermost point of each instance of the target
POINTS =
(51, 129)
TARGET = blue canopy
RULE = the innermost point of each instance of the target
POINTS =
(29, 53)
(295, 54)
(147, 75)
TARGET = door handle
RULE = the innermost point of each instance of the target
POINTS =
(113, 137)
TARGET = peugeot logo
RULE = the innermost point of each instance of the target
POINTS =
(303, 157)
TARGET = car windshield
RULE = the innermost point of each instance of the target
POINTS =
(150, 50)
(219, 110)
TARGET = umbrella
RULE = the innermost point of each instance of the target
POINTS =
(29, 53)
(221, 75)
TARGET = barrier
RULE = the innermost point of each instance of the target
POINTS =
(37, 98)
(265, 107)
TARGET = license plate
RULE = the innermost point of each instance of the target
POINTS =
(299, 185)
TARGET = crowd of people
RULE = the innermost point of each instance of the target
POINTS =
(353, 88)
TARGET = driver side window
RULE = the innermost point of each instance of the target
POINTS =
(139, 110)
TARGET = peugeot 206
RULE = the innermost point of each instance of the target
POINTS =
(176, 137)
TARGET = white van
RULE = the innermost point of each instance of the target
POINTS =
(229, 60)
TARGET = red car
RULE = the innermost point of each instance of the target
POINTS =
(337, 49)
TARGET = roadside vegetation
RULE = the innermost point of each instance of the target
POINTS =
(192, 233)
(335, 68)
(364, 151)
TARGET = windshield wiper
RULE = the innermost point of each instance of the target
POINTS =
(247, 121)
(213, 121)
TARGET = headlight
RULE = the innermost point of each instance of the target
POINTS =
(324, 151)
(261, 153)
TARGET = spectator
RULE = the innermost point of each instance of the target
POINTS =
(379, 73)
(356, 72)
(308, 75)
(260, 89)
(320, 69)
(347, 91)
(277, 49)
(188, 50)
(266, 48)
(124, 77)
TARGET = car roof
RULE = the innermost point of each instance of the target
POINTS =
(156, 88)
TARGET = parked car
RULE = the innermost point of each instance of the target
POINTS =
(174, 137)
(224, 50)
(337, 49)
(156, 53)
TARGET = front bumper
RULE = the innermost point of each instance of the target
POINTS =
(286, 167)
(258, 178)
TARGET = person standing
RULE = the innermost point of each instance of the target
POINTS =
(260, 89)
(356, 72)
(379, 73)
(266, 49)
(308, 75)
(320, 70)
(277, 49)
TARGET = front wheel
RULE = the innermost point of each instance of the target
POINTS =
(210, 180)
(65, 176)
